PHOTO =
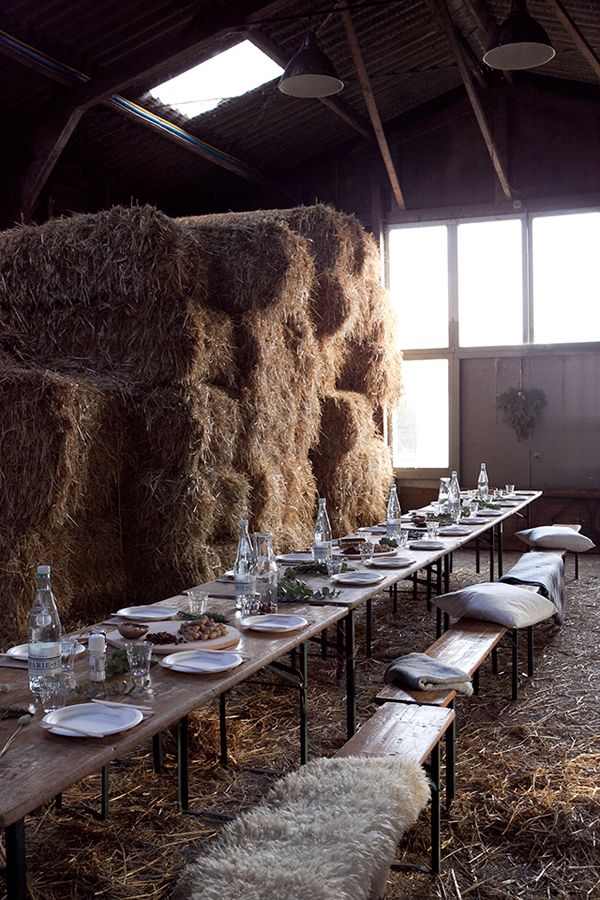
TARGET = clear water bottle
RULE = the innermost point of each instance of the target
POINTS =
(244, 567)
(443, 494)
(44, 635)
(393, 518)
(454, 498)
(483, 484)
(322, 546)
(266, 571)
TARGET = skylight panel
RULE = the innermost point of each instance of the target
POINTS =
(229, 74)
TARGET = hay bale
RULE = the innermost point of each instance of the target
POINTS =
(346, 421)
(337, 244)
(101, 293)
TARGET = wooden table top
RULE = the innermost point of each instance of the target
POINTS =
(40, 765)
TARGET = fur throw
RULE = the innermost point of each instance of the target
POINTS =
(326, 832)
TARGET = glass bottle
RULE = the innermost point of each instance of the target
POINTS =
(393, 518)
(483, 484)
(266, 571)
(322, 546)
(443, 494)
(44, 634)
(454, 498)
(244, 567)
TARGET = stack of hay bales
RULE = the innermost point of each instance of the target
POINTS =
(160, 379)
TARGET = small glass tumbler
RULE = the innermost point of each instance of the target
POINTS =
(334, 565)
(509, 488)
(139, 655)
(68, 649)
(433, 528)
(197, 601)
(250, 605)
(365, 548)
(435, 507)
(54, 692)
(401, 538)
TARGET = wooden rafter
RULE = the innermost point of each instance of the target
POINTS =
(442, 14)
(365, 83)
(577, 37)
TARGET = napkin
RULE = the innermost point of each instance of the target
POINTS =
(10, 662)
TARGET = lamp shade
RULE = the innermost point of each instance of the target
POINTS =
(310, 73)
(520, 42)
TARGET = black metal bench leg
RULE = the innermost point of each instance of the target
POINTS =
(303, 704)
(530, 651)
(446, 621)
(350, 674)
(475, 680)
(436, 849)
(450, 763)
(158, 757)
(438, 622)
(446, 576)
(16, 872)
(492, 551)
(477, 556)
(429, 587)
(394, 596)
(183, 777)
(223, 729)
(576, 566)
(104, 800)
(340, 650)
(495, 661)
(58, 803)
(515, 664)
(368, 628)
(324, 644)
(414, 587)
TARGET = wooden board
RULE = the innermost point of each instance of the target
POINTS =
(231, 639)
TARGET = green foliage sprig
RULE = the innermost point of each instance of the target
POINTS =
(521, 409)
(185, 616)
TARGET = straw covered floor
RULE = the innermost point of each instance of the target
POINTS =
(525, 822)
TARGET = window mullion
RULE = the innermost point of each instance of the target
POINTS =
(452, 287)
(527, 282)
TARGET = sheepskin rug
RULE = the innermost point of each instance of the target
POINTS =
(326, 832)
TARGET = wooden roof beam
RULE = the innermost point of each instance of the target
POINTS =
(576, 36)
(365, 83)
(441, 12)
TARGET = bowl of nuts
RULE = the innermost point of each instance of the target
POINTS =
(132, 631)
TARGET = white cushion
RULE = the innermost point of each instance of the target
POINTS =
(555, 537)
(493, 601)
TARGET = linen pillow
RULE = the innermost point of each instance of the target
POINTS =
(511, 606)
(554, 537)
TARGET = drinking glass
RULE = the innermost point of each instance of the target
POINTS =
(401, 538)
(334, 565)
(139, 654)
(432, 529)
(474, 507)
(510, 488)
(68, 646)
(365, 548)
(54, 692)
(435, 507)
(250, 605)
(197, 601)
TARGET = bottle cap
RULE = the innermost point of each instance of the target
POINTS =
(97, 642)
(243, 522)
(43, 570)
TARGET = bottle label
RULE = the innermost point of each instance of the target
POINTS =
(244, 584)
(322, 551)
(97, 667)
(44, 665)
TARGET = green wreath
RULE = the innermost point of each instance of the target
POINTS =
(521, 409)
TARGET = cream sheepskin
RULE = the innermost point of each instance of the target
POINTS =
(326, 832)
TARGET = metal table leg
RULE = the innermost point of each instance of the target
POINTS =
(500, 549)
(368, 628)
(436, 849)
(104, 800)
(223, 729)
(446, 575)
(158, 756)
(492, 550)
(515, 664)
(183, 776)
(350, 674)
(530, 650)
(450, 762)
(15, 871)
(303, 704)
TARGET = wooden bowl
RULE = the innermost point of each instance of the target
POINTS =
(132, 631)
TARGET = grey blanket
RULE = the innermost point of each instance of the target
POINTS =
(420, 672)
(546, 570)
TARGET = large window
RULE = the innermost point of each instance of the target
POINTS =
(461, 287)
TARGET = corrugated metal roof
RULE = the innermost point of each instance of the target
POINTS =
(404, 46)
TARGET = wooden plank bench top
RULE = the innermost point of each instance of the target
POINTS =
(397, 730)
(465, 645)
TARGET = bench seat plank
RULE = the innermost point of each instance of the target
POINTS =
(398, 730)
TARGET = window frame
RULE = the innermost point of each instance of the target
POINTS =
(454, 353)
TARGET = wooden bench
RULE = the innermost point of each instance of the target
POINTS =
(413, 732)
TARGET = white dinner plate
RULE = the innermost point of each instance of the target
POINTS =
(473, 520)
(274, 622)
(390, 562)
(92, 718)
(357, 579)
(147, 613)
(489, 512)
(202, 662)
(295, 557)
(426, 545)
(227, 576)
(374, 529)
(454, 531)
(508, 502)
(22, 651)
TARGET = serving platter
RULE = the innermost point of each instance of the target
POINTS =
(230, 639)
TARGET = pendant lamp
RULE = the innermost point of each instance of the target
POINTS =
(520, 42)
(310, 73)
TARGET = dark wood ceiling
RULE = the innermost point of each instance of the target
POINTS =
(62, 60)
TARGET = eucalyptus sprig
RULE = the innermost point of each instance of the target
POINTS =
(185, 616)
(13, 712)
(292, 590)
